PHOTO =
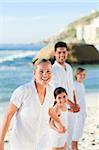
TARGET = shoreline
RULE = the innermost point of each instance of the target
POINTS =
(90, 139)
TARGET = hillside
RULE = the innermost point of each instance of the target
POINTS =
(80, 51)
(69, 33)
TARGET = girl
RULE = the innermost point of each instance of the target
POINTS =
(57, 132)
(79, 121)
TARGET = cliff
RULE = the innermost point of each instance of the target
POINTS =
(70, 31)
(78, 53)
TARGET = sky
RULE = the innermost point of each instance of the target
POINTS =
(28, 21)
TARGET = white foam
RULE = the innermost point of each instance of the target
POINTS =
(7, 68)
(18, 54)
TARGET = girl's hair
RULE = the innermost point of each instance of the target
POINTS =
(59, 90)
(54, 103)
(77, 71)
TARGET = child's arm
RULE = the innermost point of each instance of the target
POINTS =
(52, 113)
(60, 129)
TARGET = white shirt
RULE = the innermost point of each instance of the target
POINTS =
(79, 119)
(32, 120)
(63, 78)
(80, 95)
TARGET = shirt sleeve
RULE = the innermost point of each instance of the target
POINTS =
(17, 97)
(70, 83)
(55, 81)
(71, 78)
(51, 96)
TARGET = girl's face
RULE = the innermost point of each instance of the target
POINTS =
(43, 73)
(61, 99)
(81, 76)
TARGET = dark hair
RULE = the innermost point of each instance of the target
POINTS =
(60, 44)
(59, 90)
(78, 70)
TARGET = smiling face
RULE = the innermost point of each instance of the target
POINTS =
(61, 54)
(43, 73)
(61, 99)
(81, 76)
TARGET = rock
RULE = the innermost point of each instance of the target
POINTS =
(79, 53)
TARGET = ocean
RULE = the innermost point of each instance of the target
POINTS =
(16, 69)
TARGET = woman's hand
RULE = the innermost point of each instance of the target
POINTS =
(6, 122)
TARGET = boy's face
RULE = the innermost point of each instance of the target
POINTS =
(43, 73)
(61, 55)
(81, 76)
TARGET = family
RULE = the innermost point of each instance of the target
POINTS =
(50, 110)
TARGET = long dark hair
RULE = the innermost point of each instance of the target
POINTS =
(57, 91)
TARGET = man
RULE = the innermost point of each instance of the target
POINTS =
(63, 77)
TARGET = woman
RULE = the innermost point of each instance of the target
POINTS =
(29, 103)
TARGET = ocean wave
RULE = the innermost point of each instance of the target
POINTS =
(7, 68)
(21, 54)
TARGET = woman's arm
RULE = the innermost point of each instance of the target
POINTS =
(6, 122)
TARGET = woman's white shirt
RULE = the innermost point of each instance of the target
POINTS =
(31, 124)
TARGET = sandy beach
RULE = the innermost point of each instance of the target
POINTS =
(90, 139)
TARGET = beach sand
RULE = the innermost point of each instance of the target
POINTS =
(90, 139)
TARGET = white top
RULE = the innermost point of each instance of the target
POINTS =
(63, 78)
(80, 95)
(79, 119)
(59, 139)
(32, 119)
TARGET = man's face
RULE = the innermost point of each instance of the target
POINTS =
(43, 73)
(61, 55)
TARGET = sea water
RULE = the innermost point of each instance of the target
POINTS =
(16, 69)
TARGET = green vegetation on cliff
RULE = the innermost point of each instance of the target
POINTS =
(80, 52)
(69, 32)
